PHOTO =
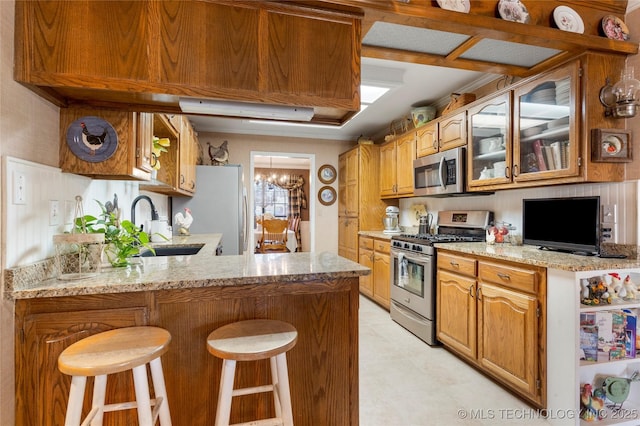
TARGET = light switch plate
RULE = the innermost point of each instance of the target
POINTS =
(54, 213)
(19, 188)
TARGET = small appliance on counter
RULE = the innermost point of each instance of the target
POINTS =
(391, 221)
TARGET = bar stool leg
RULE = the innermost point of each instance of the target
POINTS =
(143, 400)
(160, 391)
(283, 389)
(223, 412)
(276, 388)
(76, 397)
(97, 404)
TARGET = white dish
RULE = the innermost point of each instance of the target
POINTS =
(456, 5)
(568, 19)
(513, 10)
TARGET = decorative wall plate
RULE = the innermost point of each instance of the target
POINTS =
(327, 173)
(513, 10)
(456, 5)
(568, 19)
(614, 28)
(327, 195)
(92, 139)
(611, 145)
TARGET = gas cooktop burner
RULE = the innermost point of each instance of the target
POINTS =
(437, 238)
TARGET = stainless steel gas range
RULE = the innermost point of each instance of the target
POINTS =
(413, 268)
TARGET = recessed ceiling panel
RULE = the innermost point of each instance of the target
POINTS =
(403, 37)
(504, 52)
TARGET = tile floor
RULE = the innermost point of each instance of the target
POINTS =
(405, 382)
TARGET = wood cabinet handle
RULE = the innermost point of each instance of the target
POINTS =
(454, 264)
(505, 277)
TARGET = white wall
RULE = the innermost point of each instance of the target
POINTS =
(507, 205)
(324, 223)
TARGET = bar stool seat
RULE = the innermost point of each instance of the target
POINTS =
(253, 340)
(114, 351)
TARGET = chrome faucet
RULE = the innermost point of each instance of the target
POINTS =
(154, 212)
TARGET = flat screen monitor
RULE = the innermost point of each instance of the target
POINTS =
(570, 224)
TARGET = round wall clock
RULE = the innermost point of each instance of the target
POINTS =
(327, 173)
(327, 195)
(92, 139)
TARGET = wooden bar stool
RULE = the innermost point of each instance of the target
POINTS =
(113, 351)
(250, 341)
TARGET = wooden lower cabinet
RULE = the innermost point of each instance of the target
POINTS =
(492, 314)
(323, 366)
(375, 254)
(365, 258)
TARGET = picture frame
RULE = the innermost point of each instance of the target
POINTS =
(327, 174)
(611, 146)
(327, 195)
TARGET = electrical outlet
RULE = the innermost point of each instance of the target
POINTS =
(19, 188)
(69, 211)
(609, 213)
(54, 213)
(608, 233)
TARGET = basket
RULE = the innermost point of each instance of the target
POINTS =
(78, 255)
(458, 100)
(400, 126)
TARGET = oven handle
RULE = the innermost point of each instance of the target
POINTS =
(425, 258)
(441, 171)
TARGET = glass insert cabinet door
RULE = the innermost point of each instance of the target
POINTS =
(545, 127)
(489, 145)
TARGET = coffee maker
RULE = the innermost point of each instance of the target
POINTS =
(390, 221)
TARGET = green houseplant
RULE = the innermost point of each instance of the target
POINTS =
(122, 238)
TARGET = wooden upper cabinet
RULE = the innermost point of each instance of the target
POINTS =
(147, 55)
(200, 46)
(123, 154)
(71, 43)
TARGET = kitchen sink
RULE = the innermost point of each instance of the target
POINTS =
(185, 250)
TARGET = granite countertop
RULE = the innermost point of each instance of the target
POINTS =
(531, 255)
(376, 234)
(203, 269)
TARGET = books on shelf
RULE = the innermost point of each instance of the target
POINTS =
(551, 155)
(608, 335)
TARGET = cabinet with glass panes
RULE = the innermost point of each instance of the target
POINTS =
(545, 126)
(525, 134)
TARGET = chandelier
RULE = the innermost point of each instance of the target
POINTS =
(271, 177)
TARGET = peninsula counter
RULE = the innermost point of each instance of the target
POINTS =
(190, 296)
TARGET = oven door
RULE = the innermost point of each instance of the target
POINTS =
(412, 282)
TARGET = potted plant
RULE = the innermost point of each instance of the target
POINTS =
(122, 238)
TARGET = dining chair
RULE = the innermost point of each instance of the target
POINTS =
(274, 236)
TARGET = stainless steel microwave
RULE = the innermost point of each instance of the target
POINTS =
(441, 174)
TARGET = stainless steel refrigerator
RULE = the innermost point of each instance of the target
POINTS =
(219, 206)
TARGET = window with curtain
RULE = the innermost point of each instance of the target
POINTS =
(271, 199)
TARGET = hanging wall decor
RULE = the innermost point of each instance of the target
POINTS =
(611, 145)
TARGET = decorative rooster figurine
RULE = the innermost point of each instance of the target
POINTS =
(591, 405)
(219, 155)
(184, 221)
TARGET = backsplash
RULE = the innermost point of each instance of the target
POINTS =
(29, 189)
(507, 204)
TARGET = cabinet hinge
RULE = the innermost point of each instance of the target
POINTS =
(579, 161)
(538, 384)
(580, 72)
(137, 152)
(538, 312)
